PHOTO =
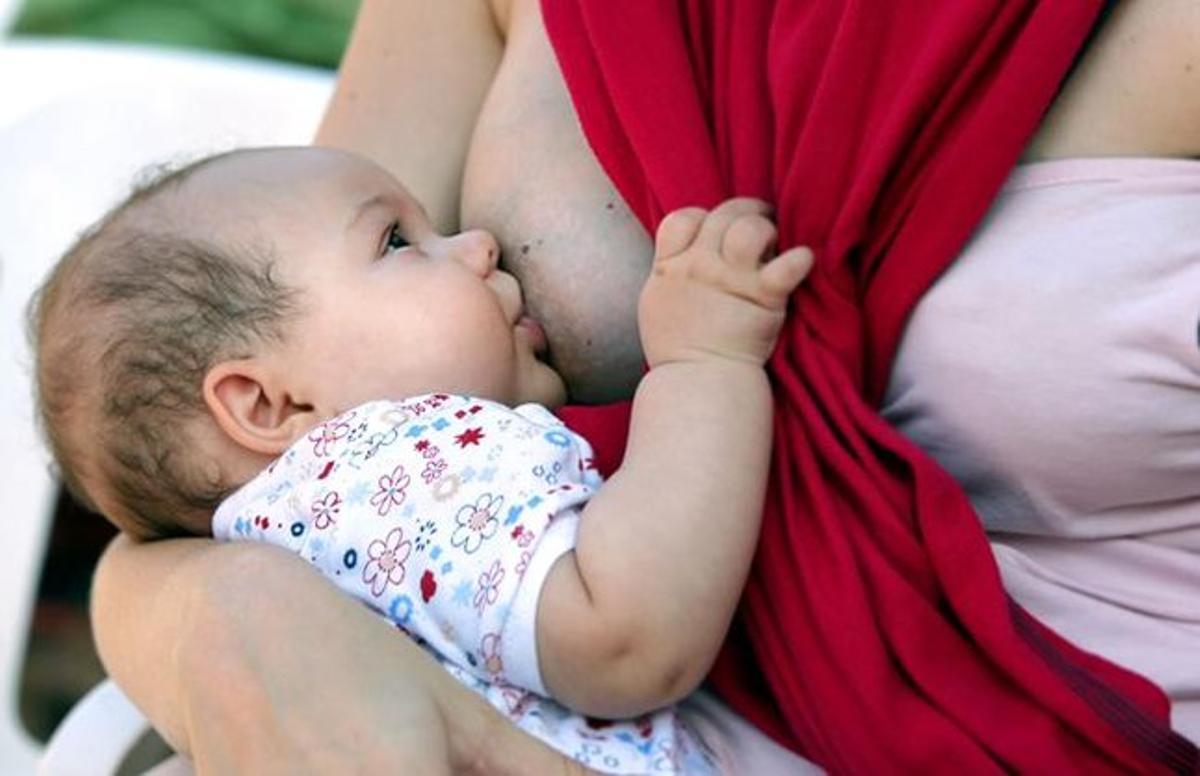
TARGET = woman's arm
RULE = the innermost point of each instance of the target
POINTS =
(410, 87)
(244, 658)
(1137, 90)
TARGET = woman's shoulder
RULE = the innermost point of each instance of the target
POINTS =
(1136, 92)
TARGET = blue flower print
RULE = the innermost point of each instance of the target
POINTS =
(391, 490)
(381, 439)
(358, 493)
(425, 534)
(476, 522)
(591, 754)
(357, 432)
(401, 609)
(463, 592)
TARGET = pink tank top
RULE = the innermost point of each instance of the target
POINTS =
(1055, 372)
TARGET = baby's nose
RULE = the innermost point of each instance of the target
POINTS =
(478, 249)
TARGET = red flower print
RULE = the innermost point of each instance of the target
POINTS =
(489, 587)
(433, 471)
(470, 437)
(386, 564)
(516, 701)
(428, 585)
(325, 435)
(489, 650)
(391, 491)
(325, 510)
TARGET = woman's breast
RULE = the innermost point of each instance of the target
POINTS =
(565, 233)
(1055, 369)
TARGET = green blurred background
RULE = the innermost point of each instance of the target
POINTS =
(311, 32)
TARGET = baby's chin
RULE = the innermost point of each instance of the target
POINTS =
(553, 393)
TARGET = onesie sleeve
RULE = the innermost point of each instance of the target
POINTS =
(443, 513)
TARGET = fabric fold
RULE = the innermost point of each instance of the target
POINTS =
(874, 634)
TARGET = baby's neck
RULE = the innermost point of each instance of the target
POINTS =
(225, 462)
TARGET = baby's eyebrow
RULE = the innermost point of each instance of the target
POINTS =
(378, 200)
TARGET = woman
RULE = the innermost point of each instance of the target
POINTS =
(496, 106)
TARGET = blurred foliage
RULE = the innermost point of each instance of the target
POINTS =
(312, 32)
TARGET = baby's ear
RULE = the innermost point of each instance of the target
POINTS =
(254, 408)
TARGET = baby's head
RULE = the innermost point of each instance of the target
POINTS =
(224, 309)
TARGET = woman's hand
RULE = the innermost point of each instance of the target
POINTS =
(279, 676)
(247, 660)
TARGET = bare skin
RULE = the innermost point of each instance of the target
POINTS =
(1137, 90)
(527, 174)
(564, 231)
(461, 100)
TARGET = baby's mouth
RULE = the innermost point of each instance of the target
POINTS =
(534, 332)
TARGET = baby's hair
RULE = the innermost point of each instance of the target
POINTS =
(124, 329)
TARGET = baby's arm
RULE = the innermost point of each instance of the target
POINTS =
(632, 619)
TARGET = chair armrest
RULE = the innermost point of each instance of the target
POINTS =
(96, 736)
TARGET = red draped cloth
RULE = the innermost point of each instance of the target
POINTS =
(874, 635)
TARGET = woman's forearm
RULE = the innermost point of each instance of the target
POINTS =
(244, 657)
(143, 599)
(408, 91)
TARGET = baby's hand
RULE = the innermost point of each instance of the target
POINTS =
(713, 293)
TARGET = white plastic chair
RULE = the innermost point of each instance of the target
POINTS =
(77, 121)
(8, 12)
(28, 491)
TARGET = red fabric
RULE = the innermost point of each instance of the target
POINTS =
(874, 634)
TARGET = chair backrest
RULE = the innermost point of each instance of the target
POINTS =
(8, 14)
(96, 736)
(77, 121)
(25, 484)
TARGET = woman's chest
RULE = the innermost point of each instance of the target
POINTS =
(1055, 369)
(531, 179)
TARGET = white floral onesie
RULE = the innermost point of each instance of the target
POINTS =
(444, 514)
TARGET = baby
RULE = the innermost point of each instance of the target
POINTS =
(275, 345)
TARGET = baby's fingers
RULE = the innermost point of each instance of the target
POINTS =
(677, 231)
(749, 239)
(781, 275)
(712, 233)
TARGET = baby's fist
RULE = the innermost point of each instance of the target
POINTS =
(714, 291)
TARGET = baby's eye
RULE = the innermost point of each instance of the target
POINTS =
(395, 239)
